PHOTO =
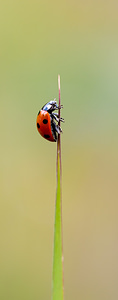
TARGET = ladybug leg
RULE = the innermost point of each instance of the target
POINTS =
(62, 120)
(56, 114)
(58, 129)
(59, 107)
(56, 117)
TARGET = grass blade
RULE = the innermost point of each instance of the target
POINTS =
(58, 285)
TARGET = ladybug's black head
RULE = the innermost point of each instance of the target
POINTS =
(50, 106)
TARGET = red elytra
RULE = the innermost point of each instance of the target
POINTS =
(44, 126)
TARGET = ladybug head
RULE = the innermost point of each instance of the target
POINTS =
(50, 106)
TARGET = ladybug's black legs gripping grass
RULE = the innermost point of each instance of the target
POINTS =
(59, 107)
(58, 129)
(56, 117)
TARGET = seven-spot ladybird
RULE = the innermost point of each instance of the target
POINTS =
(45, 121)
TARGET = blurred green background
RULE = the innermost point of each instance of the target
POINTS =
(79, 41)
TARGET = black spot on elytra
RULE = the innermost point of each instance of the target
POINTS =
(39, 112)
(38, 125)
(45, 121)
(46, 136)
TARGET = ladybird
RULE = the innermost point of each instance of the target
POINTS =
(46, 121)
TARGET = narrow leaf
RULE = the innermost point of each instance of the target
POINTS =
(58, 287)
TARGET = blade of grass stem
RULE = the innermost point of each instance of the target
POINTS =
(58, 284)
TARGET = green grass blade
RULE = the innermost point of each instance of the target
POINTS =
(58, 288)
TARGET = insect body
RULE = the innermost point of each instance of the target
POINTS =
(46, 121)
